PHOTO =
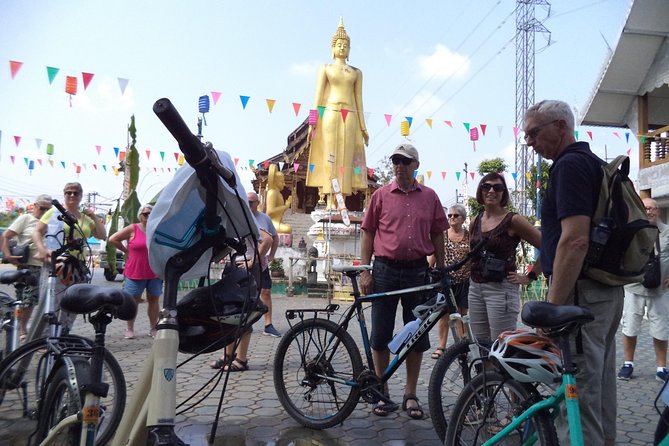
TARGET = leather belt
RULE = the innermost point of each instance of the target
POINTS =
(421, 262)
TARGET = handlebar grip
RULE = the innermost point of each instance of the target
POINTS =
(189, 144)
(67, 217)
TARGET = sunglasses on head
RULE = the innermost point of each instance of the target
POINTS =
(400, 159)
(496, 187)
(453, 215)
(72, 193)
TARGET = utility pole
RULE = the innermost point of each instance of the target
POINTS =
(526, 27)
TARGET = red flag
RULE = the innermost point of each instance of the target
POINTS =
(266, 164)
(14, 67)
(98, 149)
(296, 166)
(388, 118)
(344, 114)
(148, 154)
(87, 78)
(443, 175)
(17, 140)
(449, 123)
(215, 95)
(483, 127)
(472, 174)
(590, 135)
(296, 107)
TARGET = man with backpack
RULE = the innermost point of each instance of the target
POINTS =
(568, 207)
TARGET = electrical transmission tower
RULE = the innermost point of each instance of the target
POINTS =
(526, 27)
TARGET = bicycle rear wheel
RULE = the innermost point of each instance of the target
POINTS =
(23, 376)
(452, 372)
(487, 404)
(315, 369)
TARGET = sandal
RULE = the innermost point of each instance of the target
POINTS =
(496, 427)
(221, 362)
(382, 409)
(436, 354)
(236, 365)
(414, 412)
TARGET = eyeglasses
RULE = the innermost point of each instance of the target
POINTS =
(72, 193)
(534, 132)
(400, 159)
(146, 214)
(485, 187)
(253, 201)
(453, 215)
(651, 209)
(44, 208)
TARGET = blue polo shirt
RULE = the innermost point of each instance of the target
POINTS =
(573, 189)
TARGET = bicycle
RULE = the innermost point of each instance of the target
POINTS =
(29, 368)
(12, 308)
(319, 376)
(506, 404)
(662, 430)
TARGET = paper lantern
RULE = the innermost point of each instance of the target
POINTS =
(71, 85)
(181, 160)
(313, 117)
(404, 128)
(49, 149)
(31, 166)
(203, 104)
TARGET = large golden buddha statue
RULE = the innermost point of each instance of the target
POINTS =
(337, 149)
(275, 206)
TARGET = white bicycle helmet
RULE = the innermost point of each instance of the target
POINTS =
(69, 270)
(527, 357)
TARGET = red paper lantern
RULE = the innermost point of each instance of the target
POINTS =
(71, 85)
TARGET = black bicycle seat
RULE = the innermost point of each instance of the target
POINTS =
(552, 317)
(84, 298)
(8, 277)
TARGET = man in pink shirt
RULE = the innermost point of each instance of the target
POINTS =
(404, 223)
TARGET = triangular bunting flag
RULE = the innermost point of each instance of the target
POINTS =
(270, 104)
(388, 118)
(51, 72)
(483, 127)
(311, 167)
(176, 156)
(86, 78)
(443, 175)
(296, 107)
(515, 132)
(236, 161)
(466, 124)
(162, 156)
(500, 128)
(576, 134)
(17, 140)
(514, 175)
(344, 114)
(245, 100)
(62, 163)
(429, 122)
(410, 119)
(627, 136)
(281, 164)
(296, 166)
(589, 134)
(370, 171)
(116, 151)
(629, 151)
(321, 110)
(11, 157)
(98, 149)
(457, 175)
(472, 174)
(617, 135)
(429, 174)
(251, 163)
(122, 83)
(14, 67)
(356, 171)
(215, 95)
(148, 154)
(38, 143)
(449, 123)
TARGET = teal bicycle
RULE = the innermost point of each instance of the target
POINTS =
(506, 406)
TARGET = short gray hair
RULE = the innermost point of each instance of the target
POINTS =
(146, 206)
(553, 110)
(460, 209)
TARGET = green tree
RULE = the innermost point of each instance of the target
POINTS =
(486, 166)
(384, 171)
(532, 190)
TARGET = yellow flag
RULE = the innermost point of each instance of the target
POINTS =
(429, 122)
(270, 104)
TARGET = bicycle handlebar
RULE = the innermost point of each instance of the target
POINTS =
(66, 216)
(196, 154)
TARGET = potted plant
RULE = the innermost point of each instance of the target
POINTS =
(276, 267)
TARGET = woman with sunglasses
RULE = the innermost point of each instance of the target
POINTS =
(456, 247)
(137, 271)
(494, 300)
(49, 229)
(22, 229)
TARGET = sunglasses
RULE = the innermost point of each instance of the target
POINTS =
(253, 201)
(534, 132)
(44, 208)
(146, 214)
(72, 193)
(453, 215)
(485, 187)
(400, 159)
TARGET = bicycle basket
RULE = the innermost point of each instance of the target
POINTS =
(211, 317)
(527, 357)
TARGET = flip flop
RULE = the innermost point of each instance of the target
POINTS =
(414, 412)
(436, 354)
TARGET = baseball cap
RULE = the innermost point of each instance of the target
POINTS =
(406, 150)
(44, 198)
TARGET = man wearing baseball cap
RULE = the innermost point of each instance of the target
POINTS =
(22, 229)
(403, 225)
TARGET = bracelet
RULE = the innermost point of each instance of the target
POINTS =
(532, 276)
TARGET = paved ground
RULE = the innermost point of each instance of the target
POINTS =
(252, 415)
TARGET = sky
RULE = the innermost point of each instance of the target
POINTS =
(450, 62)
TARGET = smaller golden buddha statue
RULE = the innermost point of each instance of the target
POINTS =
(275, 205)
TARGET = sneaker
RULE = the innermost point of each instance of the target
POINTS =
(625, 372)
(271, 331)
(662, 375)
(129, 334)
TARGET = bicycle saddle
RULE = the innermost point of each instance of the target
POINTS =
(550, 316)
(84, 298)
(7, 277)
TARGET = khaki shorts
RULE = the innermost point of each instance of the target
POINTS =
(658, 315)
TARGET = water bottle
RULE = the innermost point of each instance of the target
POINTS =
(403, 336)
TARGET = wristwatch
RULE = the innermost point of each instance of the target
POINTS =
(532, 275)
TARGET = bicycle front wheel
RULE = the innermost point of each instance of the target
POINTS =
(315, 371)
(487, 404)
(23, 376)
(452, 372)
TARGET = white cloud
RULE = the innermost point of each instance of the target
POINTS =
(306, 69)
(443, 63)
